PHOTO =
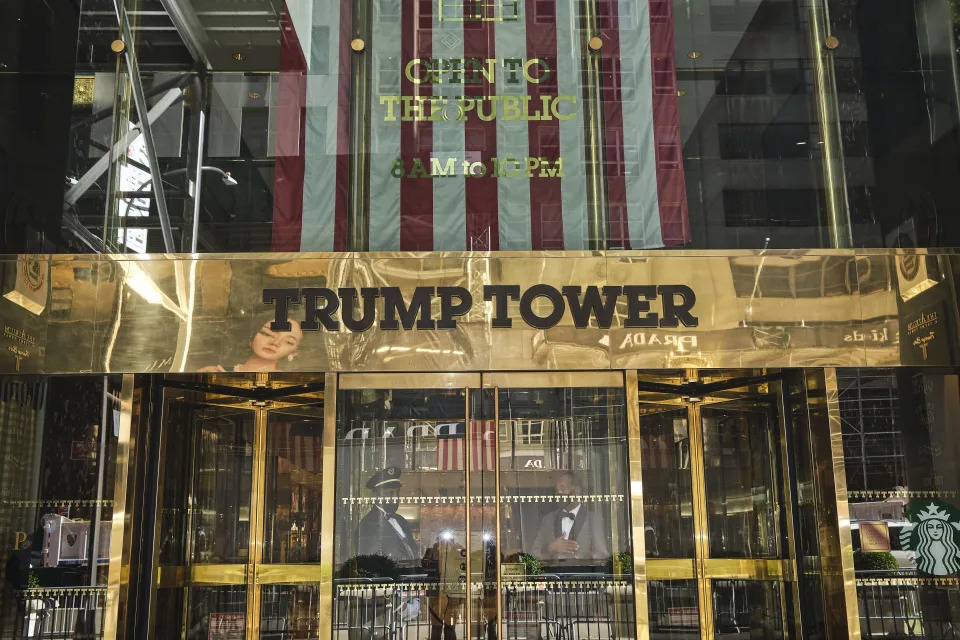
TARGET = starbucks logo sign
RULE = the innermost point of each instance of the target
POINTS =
(933, 535)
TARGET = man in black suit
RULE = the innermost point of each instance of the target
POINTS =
(383, 531)
(572, 535)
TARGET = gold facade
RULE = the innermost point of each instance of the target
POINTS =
(756, 309)
(764, 311)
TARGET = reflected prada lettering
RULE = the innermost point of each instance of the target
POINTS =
(541, 306)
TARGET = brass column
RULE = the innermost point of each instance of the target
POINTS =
(358, 208)
(822, 45)
(641, 607)
(328, 506)
(121, 539)
(597, 211)
(833, 514)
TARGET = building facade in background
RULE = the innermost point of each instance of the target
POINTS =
(420, 319)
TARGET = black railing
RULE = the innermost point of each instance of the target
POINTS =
(893, 606)
(539, 608)
(60, 614)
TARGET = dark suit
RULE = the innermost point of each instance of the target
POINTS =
(376, 536)
(587, 531)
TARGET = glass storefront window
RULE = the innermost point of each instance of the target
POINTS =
(557, 514)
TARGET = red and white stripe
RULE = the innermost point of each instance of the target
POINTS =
(303, 452)
(451, 451)
(643, 146)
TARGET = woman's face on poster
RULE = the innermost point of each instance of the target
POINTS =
(268, 344)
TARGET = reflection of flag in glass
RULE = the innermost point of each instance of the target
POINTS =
(557, 436)
(451, 445)
(298, 444)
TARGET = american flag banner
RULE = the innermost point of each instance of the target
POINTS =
(477, 126)
(452, 449)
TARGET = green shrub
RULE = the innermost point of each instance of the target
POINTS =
(371, 566)
(533, 567)
(874, 561)
(621, 564)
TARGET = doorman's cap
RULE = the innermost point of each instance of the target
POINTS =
(387, 478)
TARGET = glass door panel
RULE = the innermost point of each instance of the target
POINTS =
(747, 609)
(289, 611)
(292, 492)
(667, 481)
(674, 609)
(563, 534)
(219, 522)
(401, 551)
(739, 459)
(719, 561)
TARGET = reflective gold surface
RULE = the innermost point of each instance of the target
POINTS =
(288, 573)
(743, 569)
(842, 505)
(118, 573)
(640, 576)
(546, 379)
(409, 381)
(671, 569)
(158, 313)
(328, 506)
(833, 512)
(169, 577)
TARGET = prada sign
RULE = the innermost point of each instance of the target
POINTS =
(356, 310)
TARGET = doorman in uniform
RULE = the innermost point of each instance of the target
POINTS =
(383, 531)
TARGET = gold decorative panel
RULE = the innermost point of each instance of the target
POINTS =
(163, 313)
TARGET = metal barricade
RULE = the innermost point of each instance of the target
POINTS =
(549, 607)
(544, 608)
(61, 614)
(893, 607)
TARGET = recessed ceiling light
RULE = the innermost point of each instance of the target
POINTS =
(256, 95)
(693, 55)
(239, 57)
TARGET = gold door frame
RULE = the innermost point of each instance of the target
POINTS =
(704, 569)
(253, 573)
(701, 568)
